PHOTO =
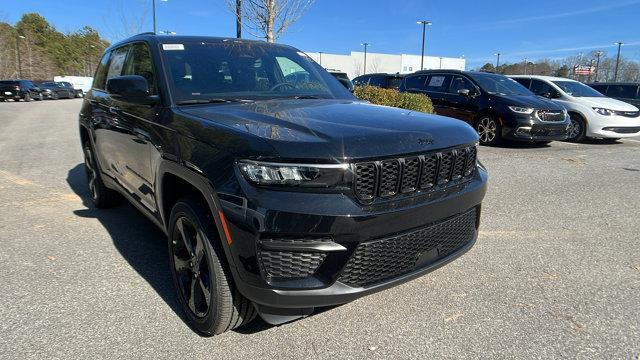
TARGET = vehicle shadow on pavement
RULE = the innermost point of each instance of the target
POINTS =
(138, 240)
(141, 244)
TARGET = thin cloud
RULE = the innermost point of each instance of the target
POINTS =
(570, 49)
(583, 11)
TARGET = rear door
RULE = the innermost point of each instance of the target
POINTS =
(436, 87)
(542, 88)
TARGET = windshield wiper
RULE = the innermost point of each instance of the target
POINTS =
(300, 97)
(211, 101)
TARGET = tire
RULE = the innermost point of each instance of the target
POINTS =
(577, 129)
(39, 98)
(101, 196)
(489, 130)
(27, 97)
(198, 265)
(55, 96)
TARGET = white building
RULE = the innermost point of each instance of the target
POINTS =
(353, 64)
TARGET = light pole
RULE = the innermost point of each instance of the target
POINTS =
(598, 54)
(497, 61)
(365, 56)
(154, 14)
(18, 37)
(615, 74)
(525, 66)
(320, 58)
(440, 67)
(424, 31)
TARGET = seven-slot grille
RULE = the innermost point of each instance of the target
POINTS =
(388, 178)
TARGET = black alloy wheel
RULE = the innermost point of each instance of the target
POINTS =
(101, 196)
(201, 276)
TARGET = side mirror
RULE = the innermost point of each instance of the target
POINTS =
(346, 83)
(130, 88)
(465, 92)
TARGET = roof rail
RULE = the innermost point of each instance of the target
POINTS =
(146, 33)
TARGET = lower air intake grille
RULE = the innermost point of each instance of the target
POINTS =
(383, 259)
(289, 265)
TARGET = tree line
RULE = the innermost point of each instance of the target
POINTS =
(628, 70)
(33, 49)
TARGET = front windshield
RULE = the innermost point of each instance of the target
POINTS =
(577, 89)
(232, 70)
(500, 85)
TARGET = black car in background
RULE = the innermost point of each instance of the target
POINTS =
(342, 77)
(495, 105)
(19, 90)
(623, 91)
(277, 197)
(53, 90)
(383, 80)
(68, 85)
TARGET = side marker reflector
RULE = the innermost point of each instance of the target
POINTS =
(224, 227)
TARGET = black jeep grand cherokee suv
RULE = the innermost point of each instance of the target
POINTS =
(276, 197)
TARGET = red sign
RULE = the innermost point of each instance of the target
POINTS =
(583, 70)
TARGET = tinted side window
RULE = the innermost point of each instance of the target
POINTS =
(523, 82)
(539, 87)
(377, 81)
(116, 64)
(602, 89)
(101, 73)
(438, 83)
(394, 82)
(139, 63)
(622, 91)
(459, 83)
(361, 80)
(416, 82)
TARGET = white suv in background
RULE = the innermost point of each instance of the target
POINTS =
(592, 114)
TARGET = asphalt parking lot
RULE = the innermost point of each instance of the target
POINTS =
(555, 272)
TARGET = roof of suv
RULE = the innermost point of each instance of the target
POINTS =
(173, 39)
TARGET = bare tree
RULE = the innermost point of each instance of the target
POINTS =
(123, 21)
(268, 19)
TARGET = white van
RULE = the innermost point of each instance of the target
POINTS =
(592, 114)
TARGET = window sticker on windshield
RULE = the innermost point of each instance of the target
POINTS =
(436, 81)
(172, 47)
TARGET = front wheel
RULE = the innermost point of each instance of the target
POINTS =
(27, 97)
(577, 129)
(55, 96)
(489, 130)
(200, 274)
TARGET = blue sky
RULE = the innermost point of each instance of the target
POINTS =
(475, 29)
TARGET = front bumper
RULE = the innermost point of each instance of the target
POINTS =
(529, 128)
(15, 95)
(613, 126)
(302, 218)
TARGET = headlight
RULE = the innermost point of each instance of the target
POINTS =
(47, 91)
(301, 175)
(521, 110)
(603, 111)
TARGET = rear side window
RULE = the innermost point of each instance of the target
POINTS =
(139, 63)
(438, 83)
(622, 91)
(416, 82)
(394, 82)
(101, 73)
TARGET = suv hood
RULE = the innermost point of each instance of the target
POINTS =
(530, 101)
(607, 103)
(337, 129)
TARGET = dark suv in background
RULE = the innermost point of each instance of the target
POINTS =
(495, 105)
(627, 92)
(19, 89)
(276, 197)
(53, 90)
(387, 81)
